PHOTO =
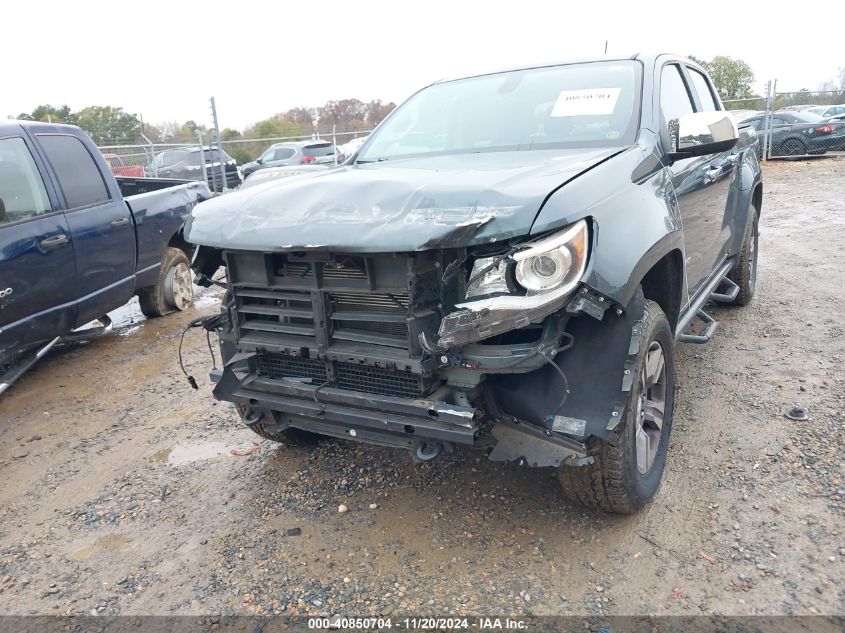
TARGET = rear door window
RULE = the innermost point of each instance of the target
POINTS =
(21, 186)
(79, 177)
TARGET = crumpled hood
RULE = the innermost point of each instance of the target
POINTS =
(393, 206)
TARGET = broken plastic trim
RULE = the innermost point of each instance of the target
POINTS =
(477, 320)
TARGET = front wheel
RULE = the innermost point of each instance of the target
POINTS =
(174, 288)
(629, 464)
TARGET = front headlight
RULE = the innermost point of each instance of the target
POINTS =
(554, 262)
(546, 272)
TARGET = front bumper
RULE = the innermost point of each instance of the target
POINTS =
(388, 421)
(384, 420)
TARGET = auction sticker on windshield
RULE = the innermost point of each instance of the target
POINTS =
(586, 102)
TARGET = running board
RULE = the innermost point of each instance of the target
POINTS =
(697, 308)
(23, 364)
(709, 330)
(731, 292)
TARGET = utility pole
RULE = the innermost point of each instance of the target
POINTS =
(219, 148)
(202, 159)
(767, 120)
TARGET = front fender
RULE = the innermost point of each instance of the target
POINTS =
(636, 222)
(595, 367)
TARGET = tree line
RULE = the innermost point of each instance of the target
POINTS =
(109, 125)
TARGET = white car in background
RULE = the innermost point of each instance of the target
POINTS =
(350, 147)
(826, 111)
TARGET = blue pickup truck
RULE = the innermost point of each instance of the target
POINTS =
(76, 242)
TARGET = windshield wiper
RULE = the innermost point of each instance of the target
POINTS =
(375, 160)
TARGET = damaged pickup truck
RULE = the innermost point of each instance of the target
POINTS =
(508, 263)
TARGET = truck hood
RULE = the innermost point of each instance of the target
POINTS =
(393, 206)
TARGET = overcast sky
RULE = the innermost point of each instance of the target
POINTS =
(163, 60)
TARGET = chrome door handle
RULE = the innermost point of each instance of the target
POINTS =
(53, 242)
(713, 173)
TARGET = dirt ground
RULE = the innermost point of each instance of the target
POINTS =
(122, 490)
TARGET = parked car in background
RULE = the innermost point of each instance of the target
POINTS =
(76, 242)
(187, 163)
(272, 174)
(796, 108)
(294, 153)
(350, 147)
(798, 133)
(120, 168)
(825, 111)
(508, 264)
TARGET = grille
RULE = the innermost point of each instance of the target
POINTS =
(383, 302)
(401, 384)
(343, 303)
(282, 366)
(395, 329)
(297, 269)
(267, 310)
(351, 268)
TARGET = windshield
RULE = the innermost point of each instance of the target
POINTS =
(577, 105)
(807, 117)
(211, 156)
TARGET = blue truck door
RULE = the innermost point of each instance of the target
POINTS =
(37, 265)
(701, 185)
(101, 226)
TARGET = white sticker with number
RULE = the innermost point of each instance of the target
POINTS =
(587, 102)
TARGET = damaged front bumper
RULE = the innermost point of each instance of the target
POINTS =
(422, 426)
(339, 345)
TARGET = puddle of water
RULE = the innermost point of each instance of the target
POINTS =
(128, 318)
(127, 315)
(162, 456)
(110, 543)
(188, 453)
(207, 296)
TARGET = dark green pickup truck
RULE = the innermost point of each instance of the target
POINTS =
(506, 263)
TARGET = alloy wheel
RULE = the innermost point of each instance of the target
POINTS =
(651, 406)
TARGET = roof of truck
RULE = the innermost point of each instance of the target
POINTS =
(646, 58)
(15, 125)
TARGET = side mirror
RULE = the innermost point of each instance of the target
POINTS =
(701, 133)
(2, 210)
(259, 160)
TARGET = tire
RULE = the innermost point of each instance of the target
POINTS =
(269, 430)
(615, 481)
(744, 274)
(793, 147)
(174, 289)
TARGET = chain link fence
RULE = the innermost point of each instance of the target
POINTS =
(184, 161)
(794, 124)
(198, 161)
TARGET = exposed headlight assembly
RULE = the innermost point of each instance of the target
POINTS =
(555, 263)
(530, 284)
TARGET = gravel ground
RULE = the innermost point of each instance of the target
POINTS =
(123, 491)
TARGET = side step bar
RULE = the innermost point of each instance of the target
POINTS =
(20, 367)
(697, 308)
(28, 359)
